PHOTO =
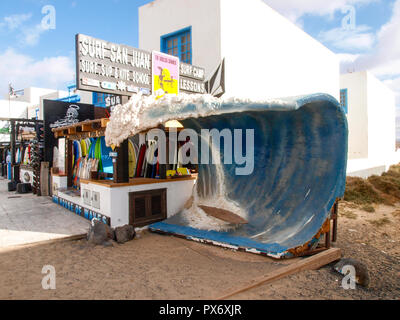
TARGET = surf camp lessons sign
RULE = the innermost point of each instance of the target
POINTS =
(111, 68)
(192, 79)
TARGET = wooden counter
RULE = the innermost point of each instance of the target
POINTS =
(135, 181)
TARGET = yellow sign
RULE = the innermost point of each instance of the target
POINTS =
(165, 74)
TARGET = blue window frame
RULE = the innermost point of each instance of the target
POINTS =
(178, 44)
(344, 100)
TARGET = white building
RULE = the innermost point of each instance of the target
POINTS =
(371, 113)
(266, 55)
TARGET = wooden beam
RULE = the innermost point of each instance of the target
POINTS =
(72, 130)
(104, 122)
(87, 127)
(44, 179)
(311, 263)
(121, 164)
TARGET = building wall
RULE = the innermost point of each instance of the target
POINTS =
(52, 96)
(13, 109)
(357, 117)
(371, 117)
(267, 56)
(381, 119)
(32, 95)
(86, 96)
(114, 202)
(162, 17)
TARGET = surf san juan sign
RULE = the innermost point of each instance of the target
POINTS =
(106, 67)
(111, 68)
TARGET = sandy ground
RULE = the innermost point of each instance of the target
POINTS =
(378, 247)
(163, 267)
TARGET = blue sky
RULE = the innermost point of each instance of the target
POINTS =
(32, 56)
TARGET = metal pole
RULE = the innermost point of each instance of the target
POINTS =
(12, 142)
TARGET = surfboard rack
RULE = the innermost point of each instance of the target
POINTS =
(82, 130)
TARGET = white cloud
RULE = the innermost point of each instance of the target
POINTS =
(14, 21)
(28, 35)
(384, 59)
(31, 36)
(356, 39)
(295, 9)
(24, 71)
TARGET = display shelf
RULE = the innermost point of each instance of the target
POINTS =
(135, 181)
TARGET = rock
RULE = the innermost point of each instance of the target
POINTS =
(108, 244)
(99, 233)
(362, 275)
(124, 234)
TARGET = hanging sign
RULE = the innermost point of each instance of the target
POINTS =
(120, 70)
(165, 74)
(192, 79)
(111, 68)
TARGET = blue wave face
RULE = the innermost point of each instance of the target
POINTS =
(300, 156)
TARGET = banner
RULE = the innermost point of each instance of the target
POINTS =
(165, 74)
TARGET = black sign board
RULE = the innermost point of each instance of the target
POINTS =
(58, 113)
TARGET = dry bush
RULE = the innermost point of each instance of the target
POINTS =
(361, 192)
(380, 222)
(368, 208)
(387, 183)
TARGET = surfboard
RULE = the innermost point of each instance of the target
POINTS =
(132, 159)
(108, 166)
(97, 153)
(80, 149)
(141, 160)
(84, 148)
(76, 153)
(91, 150)
(223, 215)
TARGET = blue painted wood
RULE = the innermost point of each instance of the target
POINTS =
(177, 35)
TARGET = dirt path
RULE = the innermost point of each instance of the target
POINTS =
(162, 267)
(370, 237)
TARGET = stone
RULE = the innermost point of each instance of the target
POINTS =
(99, 233)
(108, 244)
(124, 234)
(362, 275)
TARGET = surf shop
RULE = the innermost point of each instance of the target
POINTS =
(286, 205)
(124, 183)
